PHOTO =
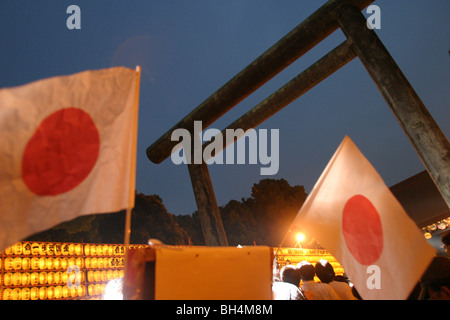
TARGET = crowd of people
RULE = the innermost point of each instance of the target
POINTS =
(299, 282)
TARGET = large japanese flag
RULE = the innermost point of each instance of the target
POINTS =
(352, 213)
(67, 148)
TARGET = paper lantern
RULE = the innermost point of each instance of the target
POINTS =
(34, 293)
(50, 292)
(58, 277)
(65, 292)
(49, 263)
(87, 250)
(17, 263)
(34, 278)
(43, 293)
(25, 279)
(35, 248)
(9, 264)
(51, 278)
(43, 249)
(16, 279)
(78, 249)
(58, 292)
(50, 249)
(17, 248)
(26, 263)
(87, 263)
(7, 294)
(43, 278)
(56, 263)
(58, 249)
(42, 263)
(25, 293)
(26, 248)
(7, 279)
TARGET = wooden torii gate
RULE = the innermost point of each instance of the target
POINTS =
(426, 137)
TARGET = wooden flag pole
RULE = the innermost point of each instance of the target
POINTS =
(132, 181)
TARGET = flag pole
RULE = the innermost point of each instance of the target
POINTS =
(132, 181)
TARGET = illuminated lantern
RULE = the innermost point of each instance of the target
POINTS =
(35, 248)
(87, 263)
(97, 276)
(43, 293)
(42, 263)
(34, 293)
(73, 292)
(105, 249)
(16, 279)
(64, 263)
(79, 262)
(9, 263)
(93, 250)
(91, 290)
(100, 263)
(64, 277)
(65, 249)
(17, 248)
(72, 261)
(7, 294)
(58, 277)
(71, 249)
(50, 249)
(90, 276)
(115, 274)
(99, 250)
(42, 249)
(16, 294)
(26, 248)
(50, 292)
(58, 292)
(58, 249)
(109, 274)
(7, 279)
(8, 251)
(121, 273)
(106, 262)
(26, 263)
(17, 263)
(78, 249)
(56, 263)
(94, 263)
(98, 289)
(25, 293)
(87, 250)
(42, 278)
(49, 263)
(25, 279)
(65, 292)
(34, 278)
(104, 275)
(79, 291)
(51, 278)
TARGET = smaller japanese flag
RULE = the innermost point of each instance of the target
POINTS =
(67, 148)
(353, 214)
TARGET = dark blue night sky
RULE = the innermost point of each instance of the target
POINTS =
(189, 49)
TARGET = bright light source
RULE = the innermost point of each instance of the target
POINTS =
(300, 237)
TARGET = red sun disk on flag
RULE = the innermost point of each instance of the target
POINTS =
(362, 230)
(61, 153)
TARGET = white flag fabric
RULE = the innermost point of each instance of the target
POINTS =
(354, 215)
(67, 148)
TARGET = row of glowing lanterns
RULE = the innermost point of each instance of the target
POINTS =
(56, 292)
(57, 278)
(78, 249)
(440, 225)
(48, 263)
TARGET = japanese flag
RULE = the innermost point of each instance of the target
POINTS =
(67, 148)
(352, 213)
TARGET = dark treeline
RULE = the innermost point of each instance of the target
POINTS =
(261, 219)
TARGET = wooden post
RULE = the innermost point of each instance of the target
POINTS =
(296, 43)
(306, 80)
(428, 140)
(209, 213)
